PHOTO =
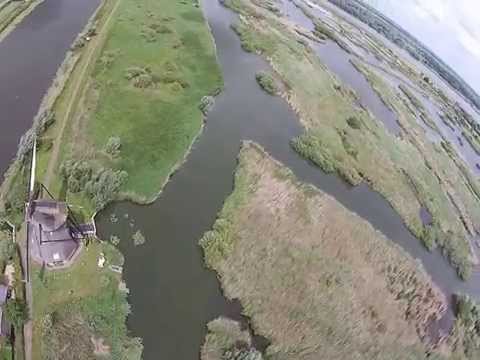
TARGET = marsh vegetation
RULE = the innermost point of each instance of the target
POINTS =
(330, 285)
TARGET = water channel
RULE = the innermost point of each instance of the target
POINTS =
(29, 58)
(173, 296)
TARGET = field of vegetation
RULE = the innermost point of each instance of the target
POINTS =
(80, 313)
(409, 171)
(120, 116)
(136, 111)
(316, 279)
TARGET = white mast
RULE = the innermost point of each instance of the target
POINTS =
(34, 164)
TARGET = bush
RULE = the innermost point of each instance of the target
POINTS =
(242, 354)
(40, 125)
(143, 81)
(468, 325)
(138, 238)
(115, 240)
(77, 174)
(267, 82)
(354, 123)
(310, 147)
(206, 104)
(7, 247)
(16, 312)
(104, 185)
(101, 184)
(113, 146)
(134, 71)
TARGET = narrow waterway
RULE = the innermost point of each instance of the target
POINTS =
(173, 296)
(338, 62)
(29, 59)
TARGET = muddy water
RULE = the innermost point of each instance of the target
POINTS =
(29, 59)
(173, 296)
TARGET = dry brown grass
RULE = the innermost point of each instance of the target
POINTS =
(316, 279)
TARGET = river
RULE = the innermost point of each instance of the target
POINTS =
(172, 295)
(29, 59)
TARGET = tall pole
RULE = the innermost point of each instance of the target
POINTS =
(31, 194)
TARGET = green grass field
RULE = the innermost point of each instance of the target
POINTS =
(158, 122)
(74, 306)
(156, 62)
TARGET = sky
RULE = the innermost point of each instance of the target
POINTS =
(451, 28)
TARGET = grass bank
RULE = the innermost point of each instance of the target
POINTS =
(314, 278)
(143, 88)
(409, 171)
(80, 313)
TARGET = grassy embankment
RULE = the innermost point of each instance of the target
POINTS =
(408, 171)
(12, 12)
(143, 95)
(122, 114)
(314, 278)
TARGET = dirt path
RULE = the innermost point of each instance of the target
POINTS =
(95, 45)
(28, 327)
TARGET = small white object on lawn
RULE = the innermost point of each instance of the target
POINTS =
(101, 260)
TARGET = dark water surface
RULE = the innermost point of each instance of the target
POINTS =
(173, 296)
(29, 59)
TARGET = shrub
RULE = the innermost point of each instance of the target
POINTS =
(206, 104)
(115, 240)
(242, 354)
(267, 82)
(7, 247)
(104, 185)
(138, 238)
(354, 123)
(40, 125)
(113, 146)
(16, 311)
(310, 147)
(143, 81)
(77, 174)
(101, 184)
(133, 72)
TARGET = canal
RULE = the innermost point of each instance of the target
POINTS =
(29, 59)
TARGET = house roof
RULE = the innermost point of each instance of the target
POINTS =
(51, 215)
(52, 238)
